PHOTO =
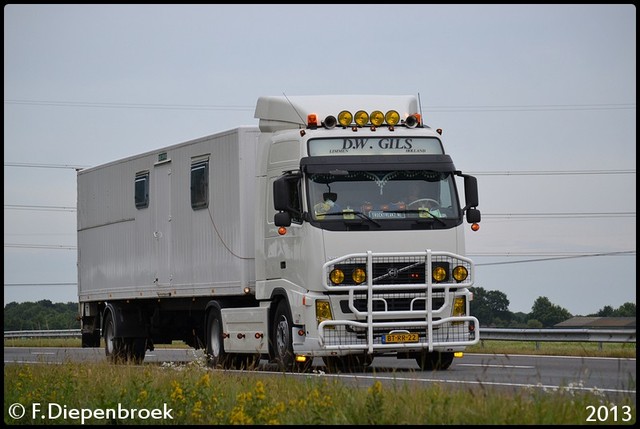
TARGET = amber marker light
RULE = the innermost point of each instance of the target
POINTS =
(282, 230)
(312, 120)
(475, 227)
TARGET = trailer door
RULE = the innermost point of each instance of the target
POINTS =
(162, 232)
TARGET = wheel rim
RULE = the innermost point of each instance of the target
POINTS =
(108, 338)
(214, 338)
(282, 336)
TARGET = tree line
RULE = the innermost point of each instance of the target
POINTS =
(490, 307)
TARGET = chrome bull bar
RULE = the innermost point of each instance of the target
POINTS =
(425, 326)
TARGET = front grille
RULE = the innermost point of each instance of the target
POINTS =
(392, 302)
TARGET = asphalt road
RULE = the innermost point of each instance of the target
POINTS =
(611, 377)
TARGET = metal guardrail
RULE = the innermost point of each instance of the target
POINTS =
(550, 334)
(578, 335)
(50, 333)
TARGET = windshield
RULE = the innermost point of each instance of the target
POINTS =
(383, 196)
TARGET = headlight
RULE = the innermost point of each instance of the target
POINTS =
(323, 311)
(337, 276)
(359, 275)
(460, 273)
(439, 274)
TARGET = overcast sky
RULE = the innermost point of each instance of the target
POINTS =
(539, 101)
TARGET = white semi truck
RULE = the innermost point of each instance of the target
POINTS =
(334, 229)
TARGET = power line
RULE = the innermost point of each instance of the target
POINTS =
(38, 208)
(477, 173)
(34, 165)
(41, 246)
(467, 108)
(584, 255)
(549, 173)
(130, 105)
(38, 284)
(549, 215)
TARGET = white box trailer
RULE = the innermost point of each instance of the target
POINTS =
(172, 241)
(288, 241)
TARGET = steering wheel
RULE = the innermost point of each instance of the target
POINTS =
(434, 203)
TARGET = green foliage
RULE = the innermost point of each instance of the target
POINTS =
(196, 395)
(628, 309)
(39, 315)
(491, 307)
(547, 313)
(492, 310)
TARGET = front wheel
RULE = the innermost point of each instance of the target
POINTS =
(283, 343)
(438, 361)
(215, 353)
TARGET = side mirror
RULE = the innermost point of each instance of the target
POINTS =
(473, 216)
(470, 191)
(281, 193)
(282, 219)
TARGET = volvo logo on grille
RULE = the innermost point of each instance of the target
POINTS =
(393, 273)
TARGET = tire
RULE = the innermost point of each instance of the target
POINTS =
(136, 348)
(216, 356)
(281, 334)
(434, 361)
(113, 347)
(91, 339)
(348, 363)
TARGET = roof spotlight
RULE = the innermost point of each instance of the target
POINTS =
(330, 122)
(412, 121)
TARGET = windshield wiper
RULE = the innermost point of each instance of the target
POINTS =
(431, 215)
(353, 212)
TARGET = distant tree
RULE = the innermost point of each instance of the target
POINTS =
(606, 311)
(628, 309)
(40, 315)
(534, 324)
(547, 313)
(491, 308)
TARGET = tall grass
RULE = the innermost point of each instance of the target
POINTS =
(196, 395)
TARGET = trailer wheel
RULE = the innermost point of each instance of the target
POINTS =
(437, 361)
(113, 347)
(216, 355)
(135, 348)
(283, 345)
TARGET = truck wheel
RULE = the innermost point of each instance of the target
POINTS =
(437, 361)
(283, 345)
(215, 353)
(113, 347)
(136, 349)
(91, 339)
(348, 363)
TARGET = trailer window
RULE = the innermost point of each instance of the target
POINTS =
(141, 190)
(200, 184)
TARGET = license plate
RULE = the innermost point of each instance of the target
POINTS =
(404, 337)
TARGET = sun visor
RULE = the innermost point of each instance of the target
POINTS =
(334, 164)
